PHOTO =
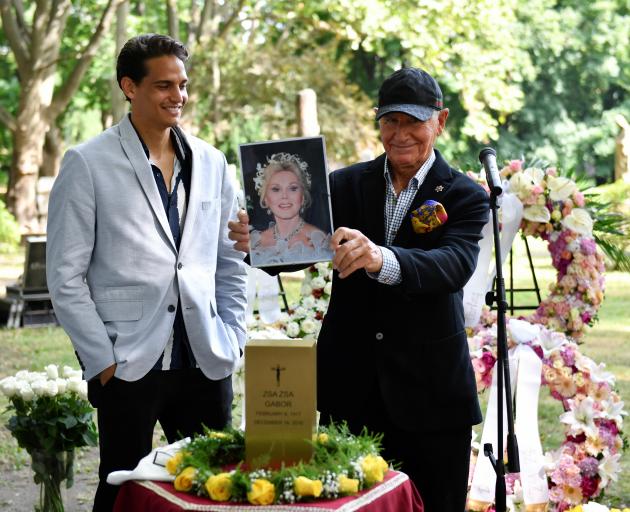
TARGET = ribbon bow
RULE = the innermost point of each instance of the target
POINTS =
(428, 217)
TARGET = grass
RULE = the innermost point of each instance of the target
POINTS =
(607, 342)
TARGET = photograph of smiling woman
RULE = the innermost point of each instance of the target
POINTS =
(287, 199)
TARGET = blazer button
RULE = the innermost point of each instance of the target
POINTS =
(171, 308)
(179, 266)
(379, 336)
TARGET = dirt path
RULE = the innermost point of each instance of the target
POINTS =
(18, 492)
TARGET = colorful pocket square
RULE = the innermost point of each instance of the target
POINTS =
(428, 217)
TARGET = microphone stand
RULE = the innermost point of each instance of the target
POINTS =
(503, 369)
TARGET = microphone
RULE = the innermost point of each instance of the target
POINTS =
(488, 157)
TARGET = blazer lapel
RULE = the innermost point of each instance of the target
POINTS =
(435, 185)
(193, 199)
(373, 200)
(133, 149)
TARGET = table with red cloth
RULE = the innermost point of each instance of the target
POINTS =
(395, 494)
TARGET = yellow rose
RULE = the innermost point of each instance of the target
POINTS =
(263, 492)
(322, 438)
(218, 435)
(348, 485)
(576, 509)
(184, 481)
(173, 462)
(306, 487)
(374, 468)
(219, 487)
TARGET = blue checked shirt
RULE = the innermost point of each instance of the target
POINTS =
(395, 210)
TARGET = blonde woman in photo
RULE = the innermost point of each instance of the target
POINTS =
(283, 185)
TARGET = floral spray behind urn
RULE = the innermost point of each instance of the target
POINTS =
(51, 418)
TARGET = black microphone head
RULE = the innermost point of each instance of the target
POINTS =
(486, 151)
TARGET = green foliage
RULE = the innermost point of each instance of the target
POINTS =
(612, 225)
(9, 229)
(580, 55)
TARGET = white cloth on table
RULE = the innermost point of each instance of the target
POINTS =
(150, 467)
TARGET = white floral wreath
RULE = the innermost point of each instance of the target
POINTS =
(554, 210)
(281, 160)
(588, 458)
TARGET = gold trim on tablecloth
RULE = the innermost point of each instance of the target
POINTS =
(351, 506)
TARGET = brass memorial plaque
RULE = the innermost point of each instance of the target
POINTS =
(280, 403)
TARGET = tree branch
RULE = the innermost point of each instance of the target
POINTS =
(203, 19)
(7, 119)
(230, 20)
(14, 37)
(64, 94)
(21, 21)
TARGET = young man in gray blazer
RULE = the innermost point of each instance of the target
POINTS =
(142, 275)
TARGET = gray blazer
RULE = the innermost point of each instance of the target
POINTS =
(113, 268)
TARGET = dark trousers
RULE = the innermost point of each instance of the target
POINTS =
(181, 400)
(436, 462)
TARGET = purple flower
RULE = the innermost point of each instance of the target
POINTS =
(589, 466)
(586, 317)
(588, 246)
(568, 356)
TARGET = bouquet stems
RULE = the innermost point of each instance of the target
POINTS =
(50, 470)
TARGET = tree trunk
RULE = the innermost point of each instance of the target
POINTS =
(119, 104)
(28, 151)
(53, 149)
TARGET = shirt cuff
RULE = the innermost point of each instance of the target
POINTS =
(390, 271)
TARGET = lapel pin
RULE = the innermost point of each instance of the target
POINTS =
(439, 188)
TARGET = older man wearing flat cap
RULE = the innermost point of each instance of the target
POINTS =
(392, 353)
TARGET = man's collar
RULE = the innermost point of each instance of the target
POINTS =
(427, 164)
(179, 144)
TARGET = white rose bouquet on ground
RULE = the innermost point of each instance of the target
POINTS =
(51, 418)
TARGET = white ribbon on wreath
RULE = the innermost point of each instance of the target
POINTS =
(525, 379)
(481, 281)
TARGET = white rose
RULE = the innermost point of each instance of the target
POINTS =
(318, 283)
(308, 325)
(299, 312)
(560, 188)
(322, 267)
(536, 213)
(52, 371)
(328, 288)
(306, 288)
(83, 389)
(293, 329)
(62, 384)
(51, 388)
(591, 506)
(74, 384)
(579, 221)
(9, 386)
(26, 392)
(22, 375)
(39, 387)
(308, 302)
(521, 185)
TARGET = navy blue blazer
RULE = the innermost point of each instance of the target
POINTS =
(406, 342)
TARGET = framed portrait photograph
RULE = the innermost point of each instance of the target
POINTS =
(288, 201)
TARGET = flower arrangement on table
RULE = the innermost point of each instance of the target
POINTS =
(51, 418)
(588, 459)
(342, 465)
(555, 210)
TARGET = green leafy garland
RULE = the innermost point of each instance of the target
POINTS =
(342, 465)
